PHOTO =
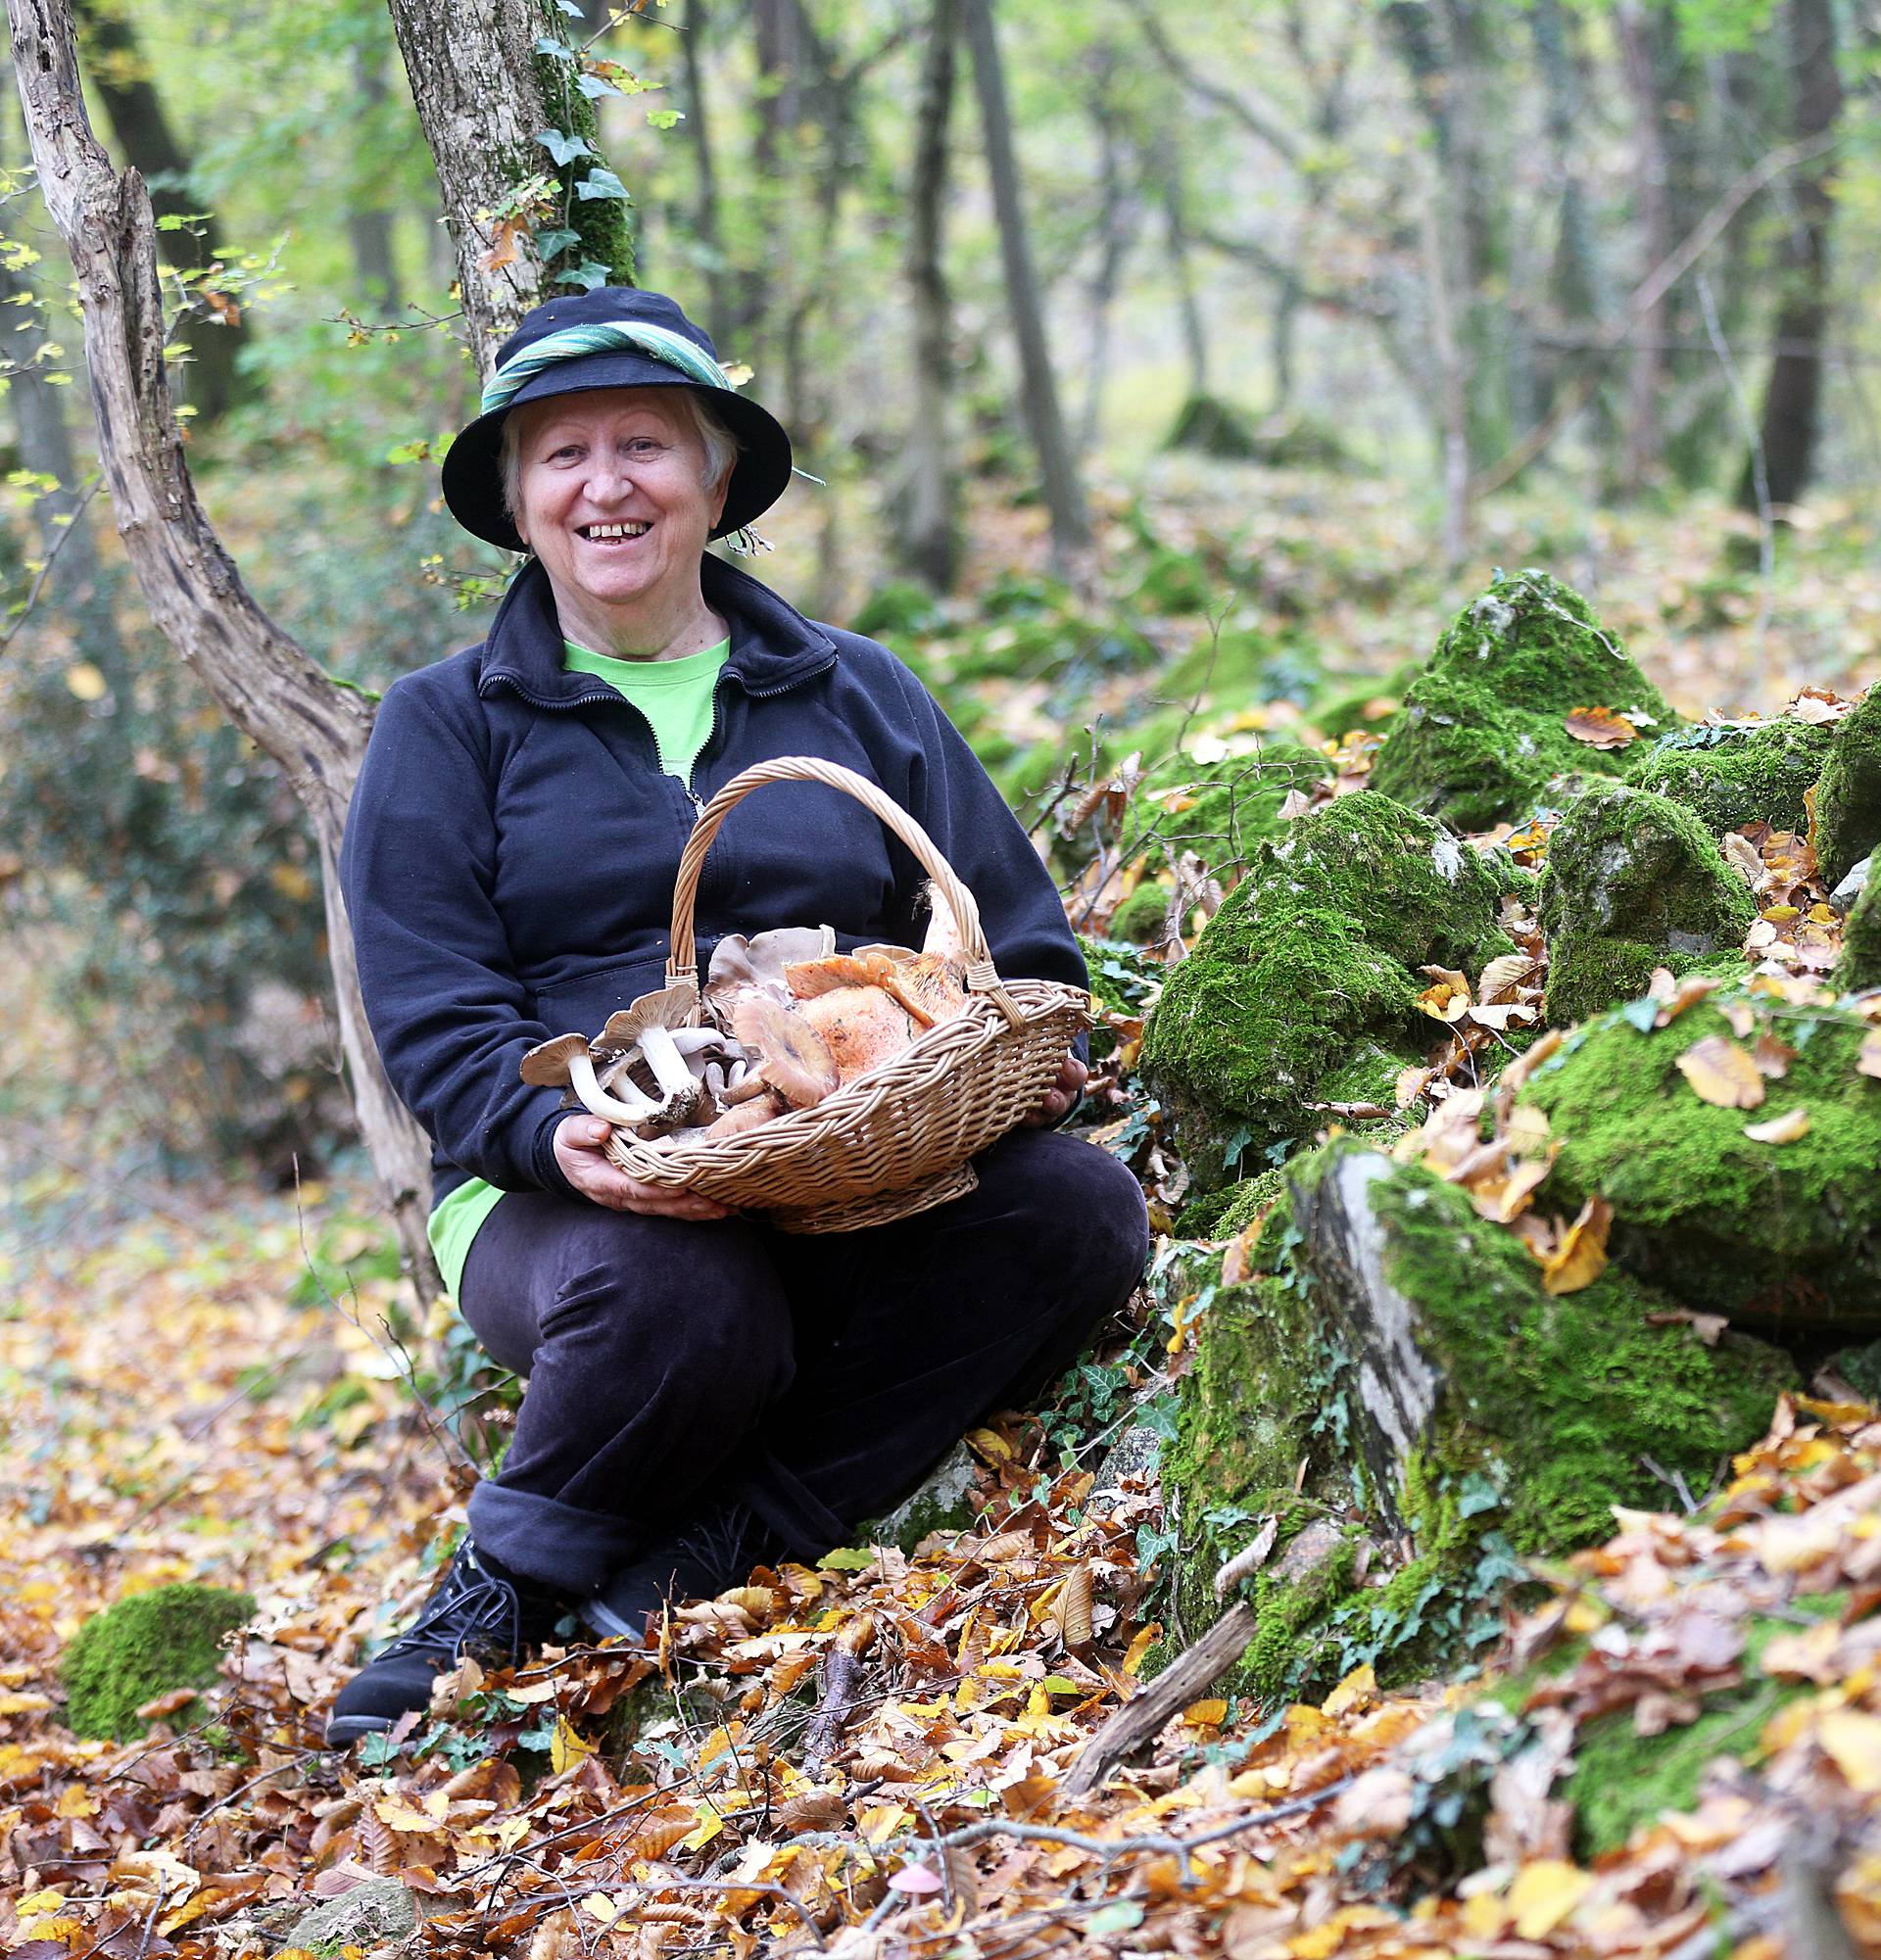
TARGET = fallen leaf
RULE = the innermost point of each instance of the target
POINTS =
(1543, 1894)
(1581, 1255)
(1601, 728)
(1784, 1128)
(1706, 1326)
(1744, 858)
(1209, 1714)
(1851, 1741)
(1723, 1074)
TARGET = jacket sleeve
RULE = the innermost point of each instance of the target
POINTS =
(450, 1014)
(955, 801)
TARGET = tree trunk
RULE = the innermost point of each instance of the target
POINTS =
(1792, 399)
(1652, 175)
(706, 220)
(927, 534)
(1115, 233)
(1064, 493)
(1575, 281)
(1167, 170)
(120, 76)
(314, 729)
(369, 221)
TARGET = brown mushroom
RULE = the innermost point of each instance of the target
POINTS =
(862, 1026)
(738, 964)
(565, 1063)
(741, 1116)
(792, 1056)
(806, 978)
(928, 986)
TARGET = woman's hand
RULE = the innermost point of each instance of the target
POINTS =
(1063, 1093)
(580, 1152)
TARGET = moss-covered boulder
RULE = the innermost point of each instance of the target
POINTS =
(1303, 986)
(1633, 882)
(143, 1647)
(1396, 1383)
(1848, 805)
(1483, 730)
(1220, 811)
(1728, 776)
(1859, 967)
(1774, 1234)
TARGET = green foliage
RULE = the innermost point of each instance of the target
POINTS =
(1736, 774)
(1632, 883)
(142, 1647)
(1481, 736)
(1303, 986)
(1781, 1233)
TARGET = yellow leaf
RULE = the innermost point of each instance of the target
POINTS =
(1138, 1649)
(24, 1704)
(1354, 1692)
(87, 682)
(988, 1446)
(74, 1800)
(1210, 1714)
(1723, 1074)
(565, 1747)
(1543, 1894)
(1581, 1255)
(1599, 728)
(1074, 1608)
(1851, 1741)
(1785, 1128)
(402, 1816)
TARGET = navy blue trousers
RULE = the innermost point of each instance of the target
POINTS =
(816, 1377)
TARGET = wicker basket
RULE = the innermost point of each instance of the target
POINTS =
(896, 1140)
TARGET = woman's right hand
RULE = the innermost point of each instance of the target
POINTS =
(581, 1153)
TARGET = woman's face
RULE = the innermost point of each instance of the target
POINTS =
(611, 499)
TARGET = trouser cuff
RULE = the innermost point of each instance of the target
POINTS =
(573, 1551)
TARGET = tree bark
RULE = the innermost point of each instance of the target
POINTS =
(120, 75)
(314, 729)
(1064, 493)
(1652, 177)
(1116, 234)
(927, 534)
(1166, 170)
(706, 218)
(368, 219)
(1792, 399)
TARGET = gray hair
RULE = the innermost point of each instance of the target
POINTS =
(717, 441)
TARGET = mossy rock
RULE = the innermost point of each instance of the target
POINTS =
(1848, 805)
(1220, 811)
(1213, 427)
(943, 1500)
(1483, 731)
(1141, 918)
(143, 1647)
(1405, 1353)
(1859, 967)
(1775, 1235)
(1730, 776)
(1633, 882)
(1303, 986)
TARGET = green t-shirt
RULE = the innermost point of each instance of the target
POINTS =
(676, 697)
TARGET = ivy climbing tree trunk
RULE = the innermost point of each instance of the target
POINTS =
(314, 727)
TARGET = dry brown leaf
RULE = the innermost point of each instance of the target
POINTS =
(1784, 1128)
(1601, 728)
(1503, 975)
(1723, 1074)
(1706, 1326)
(1772, 1056)
(1250, 1558)
(1073, 1607)
(1237, 1259)
(1744, 858)
(1581, 1255)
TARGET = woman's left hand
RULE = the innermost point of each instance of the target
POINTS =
(1063, 1093)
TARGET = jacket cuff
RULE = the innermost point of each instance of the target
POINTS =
(543, 1156)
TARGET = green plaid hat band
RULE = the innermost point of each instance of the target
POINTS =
(603, 337)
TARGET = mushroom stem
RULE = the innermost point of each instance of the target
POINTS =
(598, 1102)
(668, 1065)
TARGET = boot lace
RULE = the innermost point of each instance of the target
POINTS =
(471, 1611)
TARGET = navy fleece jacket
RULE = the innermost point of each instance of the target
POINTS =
(513, 842)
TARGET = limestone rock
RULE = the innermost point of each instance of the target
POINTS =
(1773, 1234)
(376, 1913)
(1859, 967)
(1854, 883)
(1400, 1375)
(143, 1647)
(1482, 734)
(1303, 986)
(939, 1503)
(1137, 1452)
(1848, 805)
(1730, 776)
(1633, 882)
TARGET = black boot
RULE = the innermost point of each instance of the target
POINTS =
(715, 1551)
(477, 1608)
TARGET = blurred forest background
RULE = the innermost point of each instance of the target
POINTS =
(1167, 374)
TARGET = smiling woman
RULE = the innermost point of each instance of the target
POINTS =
(705, 1392)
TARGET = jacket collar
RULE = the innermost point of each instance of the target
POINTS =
(773, 645)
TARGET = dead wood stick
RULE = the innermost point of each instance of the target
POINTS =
(842, 1691)
(1173, 1690)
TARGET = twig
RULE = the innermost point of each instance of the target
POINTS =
(91, 490)
(842, 1681)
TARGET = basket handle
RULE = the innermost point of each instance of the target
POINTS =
(682, 962)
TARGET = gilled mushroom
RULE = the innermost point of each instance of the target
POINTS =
(928, 986)
(943, 929)
(652, 1031)
(862, 1026)
(565, 1063)
(741, 1116)
(739, 964)
(866, 967)
(792, 1056)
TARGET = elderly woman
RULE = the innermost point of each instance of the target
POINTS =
(704, 1393)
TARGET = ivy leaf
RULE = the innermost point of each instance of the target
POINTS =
(596, 85)
(550, 243)
(561, 50)
(589, 274)
(562, 146)
(603, 183)
(665, 118)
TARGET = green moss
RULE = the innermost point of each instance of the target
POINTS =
(1306, 979)
(1859, 967)
(1219, 811)
(144, 1646)
(1847, 806)
(1774, 1233)
(1633, 882)
(1730, 776)
(1143, 916)
(1482, 734)
(603, 233)
(1221, 1214)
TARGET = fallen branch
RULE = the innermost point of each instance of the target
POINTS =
(841, 1693)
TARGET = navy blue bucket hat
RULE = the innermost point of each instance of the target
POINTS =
(613, 337)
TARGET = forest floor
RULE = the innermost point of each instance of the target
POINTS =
(873, 1758)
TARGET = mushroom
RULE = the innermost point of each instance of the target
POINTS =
(943, 929)
(650, 1031)
(565, 1063)
(738, 964)
(793, 1058)
(741, 1116)
(806, 978)
(862, 1026)
(928, 986)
